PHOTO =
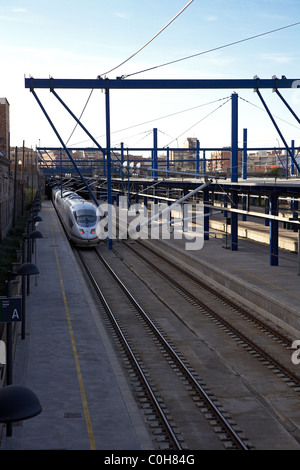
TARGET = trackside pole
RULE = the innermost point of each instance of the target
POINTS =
(234, 138)
(109, 197)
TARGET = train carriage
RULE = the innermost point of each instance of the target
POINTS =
(78, 216)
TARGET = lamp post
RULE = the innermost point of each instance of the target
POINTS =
(30, 248)
(34, 235)
(26, 269)
(10, 305)
(17, 403)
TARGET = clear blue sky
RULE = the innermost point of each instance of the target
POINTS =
(76, 39)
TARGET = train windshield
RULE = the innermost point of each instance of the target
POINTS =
(85, 217)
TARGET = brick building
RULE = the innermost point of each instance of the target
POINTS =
(4, 127)
(18, 170)
(221, 161)
(6, 188)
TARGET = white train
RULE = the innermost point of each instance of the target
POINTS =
(78, 216)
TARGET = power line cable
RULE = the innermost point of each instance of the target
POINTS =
(170, 115)
(202, 119)
(159, 118)
(80, 116)
(132, 136)
(262, 109)
(178, 60)
(213, 49)
(152, 39)
(143, 47)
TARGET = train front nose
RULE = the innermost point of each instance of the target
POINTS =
(88, 234)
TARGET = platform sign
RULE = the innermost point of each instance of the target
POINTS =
(10, 309)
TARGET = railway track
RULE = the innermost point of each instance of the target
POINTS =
(261, 357)
(206, 298)
(180, 409)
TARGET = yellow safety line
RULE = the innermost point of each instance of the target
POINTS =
(83, 395)
(252, 275)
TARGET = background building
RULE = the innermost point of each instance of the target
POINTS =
(4, 127)
(185, 158)
(19, 174)
(6, 186)
(221, 161)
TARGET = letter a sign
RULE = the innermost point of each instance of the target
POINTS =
(10, 309)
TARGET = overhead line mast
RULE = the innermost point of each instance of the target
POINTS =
(105, 84)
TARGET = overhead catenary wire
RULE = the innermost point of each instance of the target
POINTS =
(262, 109)
(89, 97)
(145, 134)
(133, 55)
(213, 49)
(184, 58)
(170, 115)
(202, 119)
(150, 40)
(158, 118)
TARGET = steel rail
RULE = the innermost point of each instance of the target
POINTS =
(212, 291)
(247, 340)
(131, 354)
(223, 421)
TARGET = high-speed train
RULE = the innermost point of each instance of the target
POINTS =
(78, 216)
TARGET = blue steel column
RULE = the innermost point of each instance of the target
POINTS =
(234, 169)
(234, 137)
(274, 230)
(292, 162)
(244, 200)
(104, 165)
(154, 156)
(206, 214)
(168, 162)
(61, 174)
(267, 211)
(109, 199)
(122, 161)
(197, 157)
(244, 170)
(244, 154)
(234, 221)
(294, 207)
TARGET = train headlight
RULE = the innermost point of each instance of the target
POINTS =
(81, 231)
(93, 230)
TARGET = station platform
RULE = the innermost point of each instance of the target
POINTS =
(66, 357)
(255, 230)
(270, 291)
(68, 362)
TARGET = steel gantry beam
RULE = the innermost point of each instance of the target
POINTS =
(179, 84)
(171, 84)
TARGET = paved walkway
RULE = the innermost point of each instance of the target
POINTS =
(67, 360)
